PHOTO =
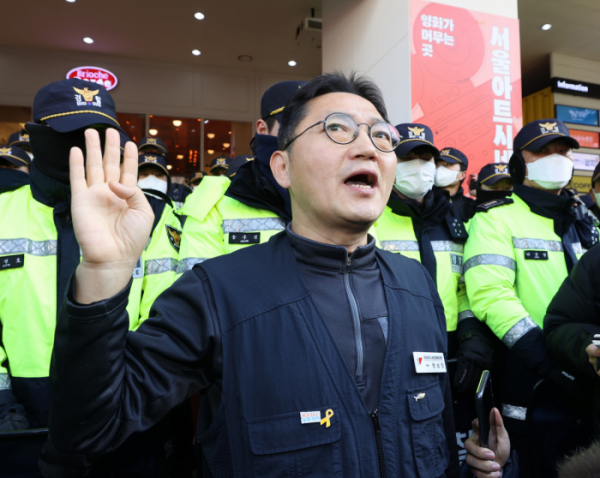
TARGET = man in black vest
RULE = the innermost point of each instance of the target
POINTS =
(320, 354)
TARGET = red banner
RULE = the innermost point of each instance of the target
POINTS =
(466, 80)
(586, 139)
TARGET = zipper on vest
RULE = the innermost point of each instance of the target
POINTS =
(377, 428)
(357, 327)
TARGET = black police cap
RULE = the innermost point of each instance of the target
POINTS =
(19, 139)
(72, 104)
(490, 174)
(236, 163)
(274, 99)
(454, 156)
(538, 133)
(414, 135)
(197, 176)
(154, 142)
(153, 160)
(596, 175)
(220, 162)
(15, 155)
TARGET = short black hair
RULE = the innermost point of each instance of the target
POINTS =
(270, 121)
(295, 108)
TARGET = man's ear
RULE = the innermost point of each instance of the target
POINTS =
(462, 175)
(262, 127)
(280, 166)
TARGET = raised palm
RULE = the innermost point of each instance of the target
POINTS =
(111, 216)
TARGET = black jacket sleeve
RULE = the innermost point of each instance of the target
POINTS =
(107, 382)
(573, 316)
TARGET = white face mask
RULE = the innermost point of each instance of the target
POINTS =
(194, 188)
(415, 178)
(551, 172)
(30, 155)
(445, 177)
(152, 182)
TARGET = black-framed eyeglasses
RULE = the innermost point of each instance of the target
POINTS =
(342, 129)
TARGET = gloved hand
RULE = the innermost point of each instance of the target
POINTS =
(13, 421)
(549, 369)
(475, 354)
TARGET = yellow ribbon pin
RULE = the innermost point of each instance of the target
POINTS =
(328, 415)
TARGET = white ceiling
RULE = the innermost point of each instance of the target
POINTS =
(167, 30)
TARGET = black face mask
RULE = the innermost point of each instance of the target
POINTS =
(51, 149)
(485, 196)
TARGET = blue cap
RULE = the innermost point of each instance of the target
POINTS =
(19, 139)
(536, 134)
(236, 163)
(72, 104)
(154, 142)
(154, 160)
(490, 174)
(197, 176)
(15, 155)
(414, 135)
(596, 175)
(220, 162)
(454, 156)
(274, 99)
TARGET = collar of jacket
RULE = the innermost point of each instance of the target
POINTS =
(11, 179)
(47, 190)
(431, 211)
(330, 256)
(251, 187)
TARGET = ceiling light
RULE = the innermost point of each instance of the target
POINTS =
(226, 145)
(196, 52)
(210, 151)
(153, 132)
(245, 58)
(88, 40)
(206, 122)
(71, 1)
(169, 166)
(292, 63)
(546, 26)
(180, 156)
(199, 16)
(210, 135)
(229, 132)
(177, 123)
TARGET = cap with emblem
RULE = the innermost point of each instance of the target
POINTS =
(153, 160)
(220, 162)
(20, 139)
(454, 156)
(490, 174)
(538, 133)
(274, 99)
(152, 142)
(414, 135)
(68, 105)
(15, 155)
(196, 177)
(236, 163)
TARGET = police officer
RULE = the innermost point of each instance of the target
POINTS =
(14, 168)
(219, 166)
(519, 251)
(451, 171)
(223, 217)
(594, 193)
(154, 146)
(21, 140)
(494, 182)
(290, 387)
(195, 179)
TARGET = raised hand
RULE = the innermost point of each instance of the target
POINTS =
(111, 216)
(484, 462)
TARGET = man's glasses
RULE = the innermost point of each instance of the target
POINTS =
(342, 129)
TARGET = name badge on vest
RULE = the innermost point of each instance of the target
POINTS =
(244, 238)
(12, 262)
(429, 362)
(536, 255)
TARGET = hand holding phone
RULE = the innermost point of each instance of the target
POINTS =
(484, 404)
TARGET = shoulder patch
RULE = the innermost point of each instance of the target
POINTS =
(174, 236)
(486, 206)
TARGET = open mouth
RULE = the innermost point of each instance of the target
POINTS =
(362, 180)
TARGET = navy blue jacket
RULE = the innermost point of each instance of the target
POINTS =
(263, 357)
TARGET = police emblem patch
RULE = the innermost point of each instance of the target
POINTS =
(150, 159)
(174, 237)
(548, 128)
(4, 151)
(88, 97)
(416, 132)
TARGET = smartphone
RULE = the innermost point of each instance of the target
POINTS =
(484, 404)
(596, 342)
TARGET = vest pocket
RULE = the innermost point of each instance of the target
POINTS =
(283, 446)
(426, 405)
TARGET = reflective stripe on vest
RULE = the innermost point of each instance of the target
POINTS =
(518, 330)
(465, 314)
(253, 224)
(516, 413)
(526, 243)
(491, 260)
(27, 246)
(5, 382)
(188, 263)
(400, 246)
(157, 266)
(447, 246)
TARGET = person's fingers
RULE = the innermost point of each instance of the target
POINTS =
(478, 451)
(592, 350)
(134, 196)
(129, 169)
(112, 155)
(93, 160)
(77, 171)
(486, 467)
